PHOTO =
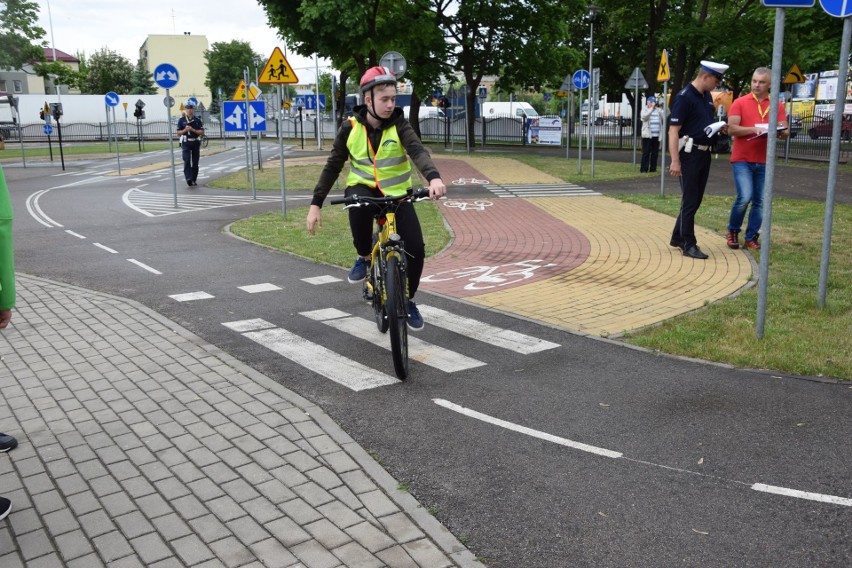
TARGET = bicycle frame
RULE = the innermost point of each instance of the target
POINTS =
(386, 285)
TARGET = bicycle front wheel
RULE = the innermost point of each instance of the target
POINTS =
(396, 308)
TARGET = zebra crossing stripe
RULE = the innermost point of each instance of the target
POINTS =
(487, 333)
(418, 350)
(540, 190)
(317, 358)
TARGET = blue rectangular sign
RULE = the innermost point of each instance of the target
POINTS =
(788, 3)
(236, 118)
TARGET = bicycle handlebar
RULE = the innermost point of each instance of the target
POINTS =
(363, 200)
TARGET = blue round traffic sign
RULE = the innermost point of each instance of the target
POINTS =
(166, 75)
(111, 99)
(581, 79)
(48, 129)
(837, 8)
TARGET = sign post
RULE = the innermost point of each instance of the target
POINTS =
(277, 71)
(664, 75)
(166, 76)
(637, 81)
(111, 100)
(839, 9)
(582, 80)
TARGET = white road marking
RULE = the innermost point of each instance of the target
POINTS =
(783, 491)
(143, 265)
(318, 359)
(484, 332)
(802, 494)
(321, 280)
(248, 325)
(106, 248)
(154, 204)
(528, 431)
(255, 288)
(35, 211)
(73, 234)
(189, 296)
(418, 350)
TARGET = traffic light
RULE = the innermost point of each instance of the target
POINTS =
(138, 112)
(41, 114)
(444, 102)
(57, 110)
(13, 101)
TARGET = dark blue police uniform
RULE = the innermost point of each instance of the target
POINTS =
(692, 111)
(191, 148)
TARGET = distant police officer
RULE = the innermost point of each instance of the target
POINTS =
(689, 145)
(190, 129)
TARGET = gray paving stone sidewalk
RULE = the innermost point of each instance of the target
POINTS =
(141, 445)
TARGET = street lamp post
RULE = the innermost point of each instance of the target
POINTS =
(592, 92)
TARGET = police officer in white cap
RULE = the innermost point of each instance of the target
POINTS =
(689, 145)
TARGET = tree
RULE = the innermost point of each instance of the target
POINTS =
(18, 30)
(225, 64)
(142, 80)
(107, 71)
(59, 73)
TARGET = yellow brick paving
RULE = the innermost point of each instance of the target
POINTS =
(631, 279)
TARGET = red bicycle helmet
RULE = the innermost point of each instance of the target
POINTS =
(377, 76)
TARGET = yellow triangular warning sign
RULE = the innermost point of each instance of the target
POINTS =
(277, 71)
(663, 71)
(794, 76)
(240, 93)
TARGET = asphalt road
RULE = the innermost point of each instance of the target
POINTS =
(588, 453)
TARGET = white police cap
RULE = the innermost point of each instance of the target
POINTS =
(715, 69)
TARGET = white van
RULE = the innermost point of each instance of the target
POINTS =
(426, 111)
(506, 109)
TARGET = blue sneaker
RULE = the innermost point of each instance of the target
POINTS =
(359, 271)
(415, 320)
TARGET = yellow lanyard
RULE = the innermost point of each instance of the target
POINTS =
(760, 111)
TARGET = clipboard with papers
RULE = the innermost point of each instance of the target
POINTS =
(765, 127)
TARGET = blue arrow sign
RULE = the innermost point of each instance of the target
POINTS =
(837, 8)
(581, 79)
(48, 129)
(788, 3)
(166, 75)
(111, 99)
(193, 101)
(310, 102)
(236, 119)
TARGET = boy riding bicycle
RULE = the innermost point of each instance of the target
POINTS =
(376, 140)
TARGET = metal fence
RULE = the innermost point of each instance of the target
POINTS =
(810, 137)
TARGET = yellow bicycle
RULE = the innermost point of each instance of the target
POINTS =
(386, 285)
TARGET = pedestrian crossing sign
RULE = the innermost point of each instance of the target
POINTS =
(240, 93)
(277, 71)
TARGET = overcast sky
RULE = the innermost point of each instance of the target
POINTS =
(122, 26)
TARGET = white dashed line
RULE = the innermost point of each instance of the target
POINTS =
(106, 248)
(143, 265)
(255, 288)
(189, 296)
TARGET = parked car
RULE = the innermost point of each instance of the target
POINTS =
(823, 126)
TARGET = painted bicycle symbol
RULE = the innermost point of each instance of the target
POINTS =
(468, 206)
(485, 277)
(470, 181)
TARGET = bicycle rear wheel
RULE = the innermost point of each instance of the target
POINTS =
(396, 309)
(375, 282)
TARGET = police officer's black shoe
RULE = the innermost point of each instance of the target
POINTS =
(676, 243)
(695, 252)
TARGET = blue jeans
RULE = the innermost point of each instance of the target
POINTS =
(748, 177)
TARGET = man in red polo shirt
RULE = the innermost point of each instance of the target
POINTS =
(748, 122)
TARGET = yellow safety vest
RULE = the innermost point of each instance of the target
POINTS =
(388, 169)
